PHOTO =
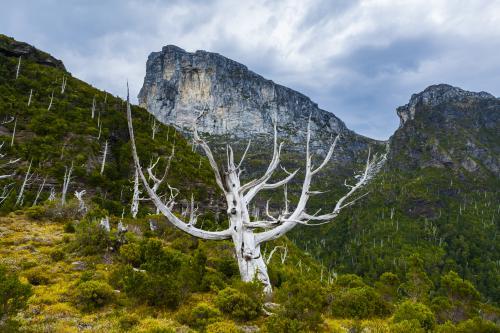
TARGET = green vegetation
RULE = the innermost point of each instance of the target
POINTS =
(61, 271)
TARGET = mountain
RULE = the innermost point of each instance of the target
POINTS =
(62, 270)
(448, 127)
(238, 103)
(437, 196)
(443, 159)
(58, 129)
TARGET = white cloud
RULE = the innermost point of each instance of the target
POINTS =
(358, 59)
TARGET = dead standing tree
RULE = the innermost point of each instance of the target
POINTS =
(245, 233)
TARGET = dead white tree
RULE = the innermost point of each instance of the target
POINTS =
(104, 153)
(27, 178)
(6, 190)
(13, 133)
(66, 180)
(51, 99)
(93, 107)
(31, 95)
(52, 194)
(284, 253)
(82, 208)
(244, 232)
(134, 207)
(63, 84)
(105, 224)
(154, 128)
(18, 67)
(99, 125)
(40, 189)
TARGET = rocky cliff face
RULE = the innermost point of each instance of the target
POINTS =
(445, 126)
(10, 47)
(236, 102)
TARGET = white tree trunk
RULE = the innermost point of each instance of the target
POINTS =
(63, 84)
(13, 133)
(40, 189)
(67, 179)
(134, 208)
(103, 164)
(27, 177)
(51, 99)
(29, 99)
(93, 108)
(250, 261)
(18, 67)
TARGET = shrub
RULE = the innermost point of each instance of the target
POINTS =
(237, 304)
(91, 238)
(279, 324)
(56, 212)
(409, 310)
(13, 297)
(302, 301)
(199, 316)
(223, 327)
(94, 294)
(57, 255)
(477, 325)
(349, 281)
(131, 253)
(154, 289)
(213, 280)
(128, 321)
(38, 276)
(360, 303)
(69, 227)
(457, 288)
(407, 326)
(35, 212)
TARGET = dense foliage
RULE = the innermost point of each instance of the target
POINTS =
(383, 271)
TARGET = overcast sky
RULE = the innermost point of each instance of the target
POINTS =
(357, 59)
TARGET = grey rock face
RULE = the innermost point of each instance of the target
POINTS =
(445, 126)
(237, 102)
(12, 48)
(435, 95)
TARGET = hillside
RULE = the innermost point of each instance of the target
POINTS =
(438, 196)
(64, 269)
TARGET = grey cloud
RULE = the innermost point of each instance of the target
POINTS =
(384, 53)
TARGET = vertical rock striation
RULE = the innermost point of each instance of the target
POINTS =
(237, 102)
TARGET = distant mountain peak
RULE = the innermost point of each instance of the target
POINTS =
(13, 48)
(435, 95)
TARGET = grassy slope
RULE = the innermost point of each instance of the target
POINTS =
(54, 139)
(65, 134)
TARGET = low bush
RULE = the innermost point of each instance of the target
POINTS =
(57, 255)
(93, 294)
(409, 310)
(302, 301)
(238, 304)
(13, 297)
(199, 316)
(128, 321)
(359, 303)
(91, 238)
(38, 276)
(223, 327)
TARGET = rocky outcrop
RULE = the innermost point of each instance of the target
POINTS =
(436, 95)
(445, 126)
(12, 48)
(180, 85)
